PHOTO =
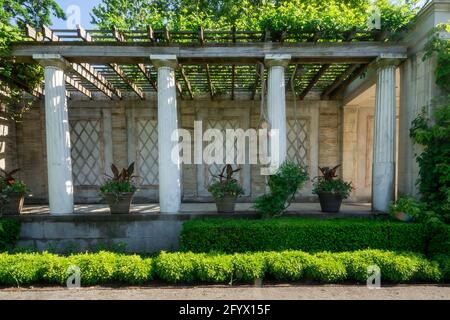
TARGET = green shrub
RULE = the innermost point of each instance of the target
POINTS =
(214, 268)
(287, 265)
(132, 269)
(176, 267)
(325, 267)
(20, 269)
(444, 265)
(394, 267)
(249, 267)
(95, 268)
(310, 235)
(282, 188)
(9, 233)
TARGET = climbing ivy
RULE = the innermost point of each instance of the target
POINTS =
(434, 135)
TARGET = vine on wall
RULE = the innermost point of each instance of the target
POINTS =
(434, 135)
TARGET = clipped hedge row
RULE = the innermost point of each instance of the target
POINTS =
(178, 267)
(310, 235)
(9, 233)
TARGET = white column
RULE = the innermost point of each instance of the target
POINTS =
(59, 163)
(276, 99)
(383, 169)
(169, 160)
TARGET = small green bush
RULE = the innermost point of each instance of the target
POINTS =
(9, 233)
(310, 235)
(287, 265)
(132, 269)
(214, 268)
(325, 267)
(444, 265)
(96, 268)
(249, 267)
(176, 267)
(20, 269)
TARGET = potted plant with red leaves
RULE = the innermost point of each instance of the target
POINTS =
(331, 189)
(226, 190)
(118, 189)
(12, 193)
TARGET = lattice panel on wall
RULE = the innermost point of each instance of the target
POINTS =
(147, 151)
(86, 152)
(215, 168)
(298, 141)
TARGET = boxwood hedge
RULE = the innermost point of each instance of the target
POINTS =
(325, 267)
(310, 235)
(9, 233)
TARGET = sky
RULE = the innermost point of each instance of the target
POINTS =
(83, 7)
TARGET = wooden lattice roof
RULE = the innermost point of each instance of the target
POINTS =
(214, 63)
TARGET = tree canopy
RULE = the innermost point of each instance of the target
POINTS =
(277, 15)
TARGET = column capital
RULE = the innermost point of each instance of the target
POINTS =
(51, 60)
(272, 60)
(164, 60)
(389, 60)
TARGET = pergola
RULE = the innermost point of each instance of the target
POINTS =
(220, 64)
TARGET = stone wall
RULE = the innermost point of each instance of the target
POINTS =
(124, 131)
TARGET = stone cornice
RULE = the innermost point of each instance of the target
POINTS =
(273, 60)
(164, 60)
(52, 60)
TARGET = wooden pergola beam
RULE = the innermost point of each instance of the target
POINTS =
(77, 85)
(247, 53)
(338, 81)
(84, 70)
(186, 81)
(258, 75)
(84, 35)
(313, 81)
(121, 38)
(358, 71)
(210, 85)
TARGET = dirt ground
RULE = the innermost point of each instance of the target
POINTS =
(272, 292)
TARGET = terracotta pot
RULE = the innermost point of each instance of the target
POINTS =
(226, 204)
(14, 205)
(330, 202)
(119, 204)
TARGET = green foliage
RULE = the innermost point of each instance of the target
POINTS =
(176, 267)
(434, 135)
(394, 267)
(310, 235)
(249, 267)
(282, 188)
(9, 233)
(325, 268)
(407, 205)
(434, 171)
(226, 185)
(106, 267)
(336, 186)
(15, 77)
(117, 187)
(214, 268)
(329, 17)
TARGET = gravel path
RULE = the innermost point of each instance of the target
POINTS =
(273, 292)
